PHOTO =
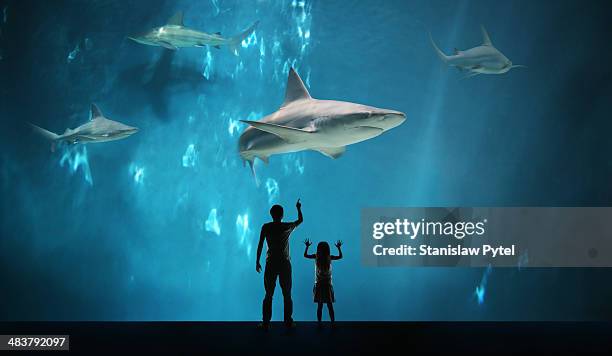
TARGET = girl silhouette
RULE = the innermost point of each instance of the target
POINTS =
(323, 290)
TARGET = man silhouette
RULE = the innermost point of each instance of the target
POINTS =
(278, 261)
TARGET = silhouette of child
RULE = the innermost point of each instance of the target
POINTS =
(323, 290)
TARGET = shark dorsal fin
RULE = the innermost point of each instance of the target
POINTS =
(486, 41)
(95, 112)
(177, 19)
(295, 89)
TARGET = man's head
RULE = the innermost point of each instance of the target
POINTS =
(277, 212)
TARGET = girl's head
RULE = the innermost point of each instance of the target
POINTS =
(323, 255)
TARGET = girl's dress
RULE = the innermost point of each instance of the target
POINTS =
(323, 290)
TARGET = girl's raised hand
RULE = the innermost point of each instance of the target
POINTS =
(307, 243)
(338, 243)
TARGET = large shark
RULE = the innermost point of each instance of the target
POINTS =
(483, 59)
(175, 35)
(303, 123)
(97, 129)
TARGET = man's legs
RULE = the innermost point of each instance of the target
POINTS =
(285, 284)
(270, 274)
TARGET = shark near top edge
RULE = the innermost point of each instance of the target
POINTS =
(97, 129)
(303, 123)
(483, 59)
(175, 35)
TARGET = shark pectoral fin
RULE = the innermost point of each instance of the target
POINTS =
(472, 74)
(168, 45)
(217, 47)
(218, 33)
(289, 134)
(332, 152)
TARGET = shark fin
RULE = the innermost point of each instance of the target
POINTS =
(295, 89)
(217, 47)
(168, 45)
(486, 41)
(265, 159)
(332, 152)
(472, 74)
(441, 54)
(176, 20)
(218, 33)
(95, 112)
(289, 134)
(54, 138)
(456, 51)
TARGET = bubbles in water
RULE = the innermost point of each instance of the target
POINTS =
(73, 54)
(190, 156)
(75, 156)
(272, 188)
(212, 223)
(137, 173)
(233, 126)
(208, 64)
(242, 227)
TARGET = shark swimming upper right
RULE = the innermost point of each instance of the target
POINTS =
(483, 59)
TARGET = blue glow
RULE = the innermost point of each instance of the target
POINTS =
(212, 224)
(482, 287)
(190, 157)
(75, 157)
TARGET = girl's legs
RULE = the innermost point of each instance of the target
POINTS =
(330, 308)
(319, 311)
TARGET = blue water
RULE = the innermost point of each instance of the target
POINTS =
(163, 225)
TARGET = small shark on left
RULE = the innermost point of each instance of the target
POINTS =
(175, 35)
(483, 59)
(97, 129)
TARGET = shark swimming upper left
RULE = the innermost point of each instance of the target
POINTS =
(175, 35)
(97, 129)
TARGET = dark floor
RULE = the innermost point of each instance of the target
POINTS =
(307, 338)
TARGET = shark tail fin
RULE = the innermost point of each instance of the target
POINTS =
(48, 135)
(236, 41)
(441, 54)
